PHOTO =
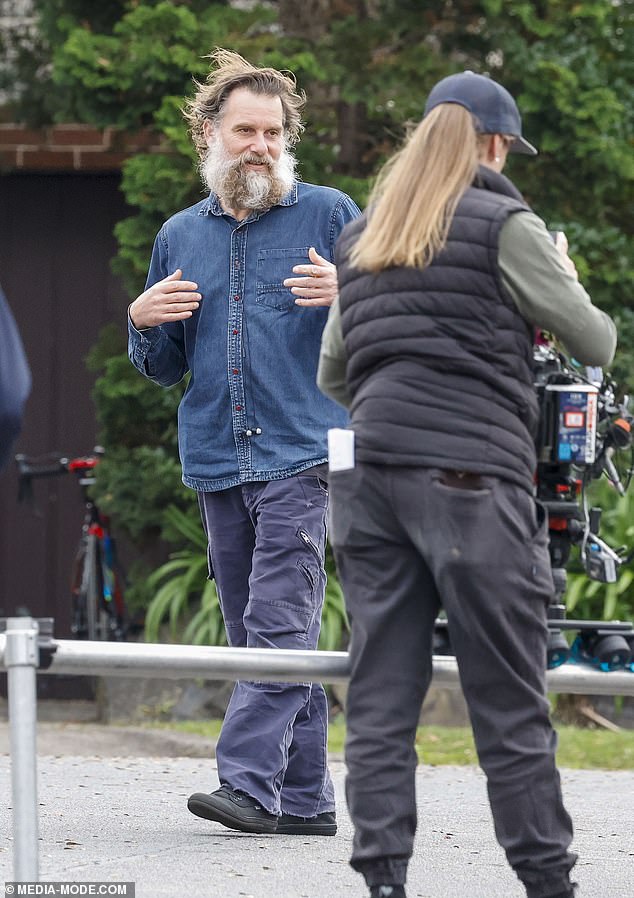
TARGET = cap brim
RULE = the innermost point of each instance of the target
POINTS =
(523, 147)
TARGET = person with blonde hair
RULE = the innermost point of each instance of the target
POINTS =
(237, 296)
(430, 345)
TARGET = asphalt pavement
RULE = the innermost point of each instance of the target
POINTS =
(112, 808)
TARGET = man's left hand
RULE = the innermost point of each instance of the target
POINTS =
(318, 285)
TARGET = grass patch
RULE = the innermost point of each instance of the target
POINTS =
(578, 748)
(585, 749)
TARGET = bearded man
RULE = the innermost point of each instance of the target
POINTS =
(237, 295)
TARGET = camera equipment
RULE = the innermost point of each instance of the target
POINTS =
(582, 428)
(584, 433)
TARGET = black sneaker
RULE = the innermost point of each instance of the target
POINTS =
(395, 891)
(236, 810)
(322, 825)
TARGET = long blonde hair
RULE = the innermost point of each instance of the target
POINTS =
(414, 199)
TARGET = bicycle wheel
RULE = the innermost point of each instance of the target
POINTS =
(97, 588)
(113, 589)
(97, 616)
(79, 592)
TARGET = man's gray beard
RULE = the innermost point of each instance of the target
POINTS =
(241, 188)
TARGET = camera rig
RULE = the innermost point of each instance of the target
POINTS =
(584, 434)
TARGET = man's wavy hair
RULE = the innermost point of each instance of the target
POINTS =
(229, 71)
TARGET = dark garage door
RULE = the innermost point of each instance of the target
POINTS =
(56, 244)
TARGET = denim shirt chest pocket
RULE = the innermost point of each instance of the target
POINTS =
(273, 267)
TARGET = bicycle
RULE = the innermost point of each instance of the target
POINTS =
(97, 583)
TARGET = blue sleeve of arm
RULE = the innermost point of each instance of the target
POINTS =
(346, 210)
(158, 352)
(15, 380)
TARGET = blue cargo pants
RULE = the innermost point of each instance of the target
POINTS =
(266, 553)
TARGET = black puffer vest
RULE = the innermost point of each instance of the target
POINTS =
(439, 359)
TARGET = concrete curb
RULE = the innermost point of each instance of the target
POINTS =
(110, 741)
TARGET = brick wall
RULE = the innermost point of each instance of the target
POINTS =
(68, 148)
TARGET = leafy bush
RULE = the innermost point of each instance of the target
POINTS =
(140, 474)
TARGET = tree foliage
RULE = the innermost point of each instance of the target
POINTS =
(366, 66)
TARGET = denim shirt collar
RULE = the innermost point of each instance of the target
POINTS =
(212, 205)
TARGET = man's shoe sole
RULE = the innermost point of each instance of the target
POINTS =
(201, 806)
(306, 829)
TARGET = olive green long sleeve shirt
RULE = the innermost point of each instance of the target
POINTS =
(546, 294)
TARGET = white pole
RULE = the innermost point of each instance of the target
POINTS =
(21, 657)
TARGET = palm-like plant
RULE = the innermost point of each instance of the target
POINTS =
(185, 597)
(334, 620)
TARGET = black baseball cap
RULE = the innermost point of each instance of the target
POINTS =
(493, 108)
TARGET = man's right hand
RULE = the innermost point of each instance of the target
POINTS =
(168, 300)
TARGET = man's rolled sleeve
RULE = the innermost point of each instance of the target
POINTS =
(158, 352)
(156, 355)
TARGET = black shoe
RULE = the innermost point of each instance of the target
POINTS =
(322, 825)
(394, 891)
(235, 810)
(569, 894)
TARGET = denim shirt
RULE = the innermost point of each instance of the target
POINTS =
(252, 409)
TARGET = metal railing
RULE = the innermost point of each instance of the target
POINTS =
(25, 652)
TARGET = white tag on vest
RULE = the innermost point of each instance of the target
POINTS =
(340, 449)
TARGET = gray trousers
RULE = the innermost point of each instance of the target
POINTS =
(407, 542)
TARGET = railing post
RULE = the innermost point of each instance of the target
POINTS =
(21, 660)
